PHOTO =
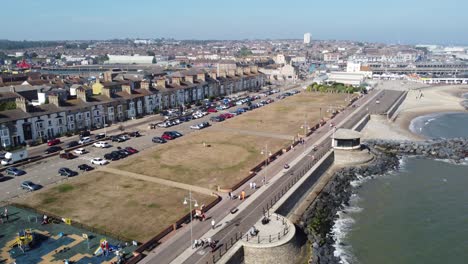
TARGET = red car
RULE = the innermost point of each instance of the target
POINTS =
(53, 142)
(228, 115)
(167, 137)
(131, 150)
(212, 110)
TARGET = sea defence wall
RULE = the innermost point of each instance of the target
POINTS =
(392, 112)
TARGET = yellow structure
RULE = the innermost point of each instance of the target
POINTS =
(24, 238)
(97, 87)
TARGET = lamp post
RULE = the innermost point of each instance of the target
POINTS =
(190, 200)
(267, 157)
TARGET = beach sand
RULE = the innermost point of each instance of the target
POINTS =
(435, 99)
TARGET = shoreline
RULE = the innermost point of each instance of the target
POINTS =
(436, 100)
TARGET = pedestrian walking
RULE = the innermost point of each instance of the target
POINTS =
(213, 223)
(230, 195)
(5, 214)
(251, 185)
(263, 180)
(254, 185)
(242, 195)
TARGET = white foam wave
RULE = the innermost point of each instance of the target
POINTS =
(339, 231)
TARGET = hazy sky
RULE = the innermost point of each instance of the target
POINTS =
(405, 21)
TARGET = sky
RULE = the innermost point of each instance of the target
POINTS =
(394, 21)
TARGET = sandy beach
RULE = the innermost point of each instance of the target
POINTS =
(435, 99)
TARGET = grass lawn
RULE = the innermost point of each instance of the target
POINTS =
(133, 208)
(226, 161)
(287, 116)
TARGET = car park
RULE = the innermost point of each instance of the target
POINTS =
(99, 161)
(101, 144)
(13, 171)
(67, 155)
(67, 172)
(53, 142)
(100, 136)
(30, 186)
(52, 149)
(79, 151)
(72, 144)
(85, 140)
(159, 140)
(85, 167)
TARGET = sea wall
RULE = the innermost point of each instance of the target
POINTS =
(319, 218)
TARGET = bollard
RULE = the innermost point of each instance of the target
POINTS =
(279, 235)
(258, 239)
(270, 239)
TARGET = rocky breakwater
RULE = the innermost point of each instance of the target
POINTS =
(319, 218)
(455, 150)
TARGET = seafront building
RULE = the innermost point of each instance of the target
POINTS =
(44, 112)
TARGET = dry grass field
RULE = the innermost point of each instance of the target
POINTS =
(132, 208)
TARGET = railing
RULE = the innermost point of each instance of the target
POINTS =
(266, 239)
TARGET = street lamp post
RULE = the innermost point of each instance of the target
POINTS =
(267, 157)
(190, 200)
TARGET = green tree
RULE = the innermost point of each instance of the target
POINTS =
(150, 53)
(244, 51)
(7, 106)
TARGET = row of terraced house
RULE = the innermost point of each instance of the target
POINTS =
(44, 113)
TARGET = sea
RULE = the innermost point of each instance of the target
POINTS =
(418, 214)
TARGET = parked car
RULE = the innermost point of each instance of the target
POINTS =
(72, 144)
(67, 172)
(131, 150)
(212, 110)
(100, 136)
(67, 155)
(85, 167)
(111, 156)
(52, 149)
(216, 119)
(79, 151)
(159, 140)
(99, 161)
(30, 186)
(117, 139)
(124, 137)
(85, 140)
(13, 171)
(101, 144)
(85, 134)
(53, 142)
(134, 134)
(168, 136)
(174, 133)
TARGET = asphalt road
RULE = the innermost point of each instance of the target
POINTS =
(45, 172)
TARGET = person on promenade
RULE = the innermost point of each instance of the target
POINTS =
(213, 223)
(242, 195)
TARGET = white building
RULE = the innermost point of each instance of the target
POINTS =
(350, 78)
(307, 38)
(121, 59)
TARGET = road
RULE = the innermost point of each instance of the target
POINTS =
(176, 245)
(45, 172)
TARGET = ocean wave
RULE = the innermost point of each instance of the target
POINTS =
(339, 231)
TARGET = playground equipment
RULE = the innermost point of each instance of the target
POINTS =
(104, 246)
(23, 240)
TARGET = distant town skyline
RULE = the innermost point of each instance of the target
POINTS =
(405, 22)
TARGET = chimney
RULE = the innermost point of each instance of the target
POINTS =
(55, 100)
(240, 72)
(81, 94)
(176, 80)
(22, 104)
(213, 75)
(189, 78)
(161, 82)
(126, 87)
(201, 76)
(246, 70)
(232, 73)
(107, 92)
(108, 76)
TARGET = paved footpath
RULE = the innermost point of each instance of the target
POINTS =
(174, 248)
